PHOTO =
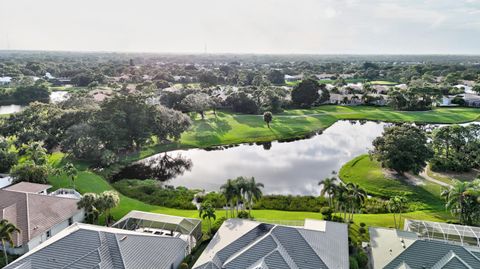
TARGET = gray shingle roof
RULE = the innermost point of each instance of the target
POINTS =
(435, 255)
(88, 246)
(243, 244)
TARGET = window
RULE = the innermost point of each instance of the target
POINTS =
(70, 221)
(49, 233)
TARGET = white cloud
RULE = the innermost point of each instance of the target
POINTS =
(266, 26)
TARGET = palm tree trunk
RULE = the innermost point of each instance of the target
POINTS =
(394, 221)
(4, 251)
(209, 226)
(106, 217)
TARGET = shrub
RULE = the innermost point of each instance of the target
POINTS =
(362, 259)
(152, 192)
(216, 225)
(362, 224)
(326, 212)
(362, 230)
(243, 215)
(353, 263)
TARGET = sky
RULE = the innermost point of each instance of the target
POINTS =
(243, 26)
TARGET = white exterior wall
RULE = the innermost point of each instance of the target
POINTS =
(79, 217)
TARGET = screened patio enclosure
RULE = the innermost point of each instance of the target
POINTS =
(188, 229)
(461, 234)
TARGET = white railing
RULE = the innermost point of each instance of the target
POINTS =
(66, 193)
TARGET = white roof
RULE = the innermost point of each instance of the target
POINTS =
(387, 244)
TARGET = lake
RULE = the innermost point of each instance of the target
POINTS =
(286, 167)
(55, 97)
(9, 109)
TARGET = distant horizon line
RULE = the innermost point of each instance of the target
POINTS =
(237, 53)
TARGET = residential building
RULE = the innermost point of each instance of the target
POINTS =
(91, 246)
(425, 245)
(243, 243)
(39, 216)
(5, 80)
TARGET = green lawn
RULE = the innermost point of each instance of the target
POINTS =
(383, 82)
(229, 128)
(370, 175)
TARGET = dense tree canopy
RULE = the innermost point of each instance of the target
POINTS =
(457, 148)
(305, 93)
(402, 148)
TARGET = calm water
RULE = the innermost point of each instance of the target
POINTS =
(9, 109)
(286, 168)
(55, 97)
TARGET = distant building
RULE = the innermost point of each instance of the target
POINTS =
(39, 216)
(91, 246)
(425, 245)
(290, 78)
(249, 244)
(5, 80)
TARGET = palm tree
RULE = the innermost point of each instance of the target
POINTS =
(207, 211)
(88, 202)
(71, 172)
(253, 193)
(6, 235)
(328, 187)
(397, 204)
(267, 117)
(341, 197)
(357, 196)
(228, 190)
(241, 186)
(36, 152)
(461, 200)
(107, 201)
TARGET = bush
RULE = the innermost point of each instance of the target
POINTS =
(353, 263)
(362, 259)
(216, 225)
(326, 212)
(243, 215)
(291, 203)
(184, 266)
(362, 230)
(362, 224)
(152, 192)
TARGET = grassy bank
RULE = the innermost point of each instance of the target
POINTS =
(228, 128)
(369, 175)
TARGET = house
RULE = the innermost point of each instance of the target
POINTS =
(472, 100)
(187, 229)
(91, 246)
(425, 245)
(5, 80)
(39, 216)
(290, 78)
(243, 243)
(29, 187)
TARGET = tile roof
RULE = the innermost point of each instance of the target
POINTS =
(28, 187)
(90, 246)
(249, 244)
(34, 214)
